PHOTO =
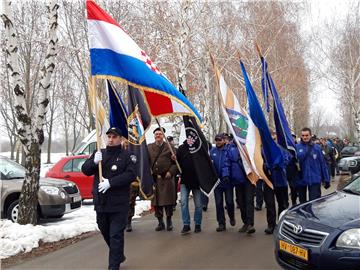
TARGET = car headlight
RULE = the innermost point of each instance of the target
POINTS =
(349, 239)
(50, 190)
(352, 163)
(282, 213)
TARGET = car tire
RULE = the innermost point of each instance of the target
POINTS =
(13, 212)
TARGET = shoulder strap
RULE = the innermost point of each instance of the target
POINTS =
(157, 156)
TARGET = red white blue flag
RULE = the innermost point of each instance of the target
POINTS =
(115, 55)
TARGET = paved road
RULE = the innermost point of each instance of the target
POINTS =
(147, 249)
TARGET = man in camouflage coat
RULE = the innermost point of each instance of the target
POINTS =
(163, 170)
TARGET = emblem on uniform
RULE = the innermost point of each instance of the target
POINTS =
(314, 156)
(133, 158)
(114, 168)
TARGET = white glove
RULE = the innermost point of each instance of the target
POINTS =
(104, 185)
(97, 157)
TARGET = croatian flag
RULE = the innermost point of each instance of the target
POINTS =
(114, 55)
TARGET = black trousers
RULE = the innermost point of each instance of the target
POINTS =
(269, 199)
(259, 191)
(159, 211)
(112, 227)
(245, 200)
(314, 192)
(219, 194)
(293, 195)
(282, 198)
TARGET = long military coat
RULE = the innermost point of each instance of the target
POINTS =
(164, 187)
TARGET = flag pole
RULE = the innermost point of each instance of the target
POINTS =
(253, 181)
(168, 143)
(93, 89)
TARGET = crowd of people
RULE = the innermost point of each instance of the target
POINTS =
(303, 173)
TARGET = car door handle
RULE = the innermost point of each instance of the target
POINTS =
(67, 176)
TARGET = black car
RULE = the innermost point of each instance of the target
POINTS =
(323, 233)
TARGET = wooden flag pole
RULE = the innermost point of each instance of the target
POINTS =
(168, 143)
(92, 84)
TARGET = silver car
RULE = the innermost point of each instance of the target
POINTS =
(55, 197)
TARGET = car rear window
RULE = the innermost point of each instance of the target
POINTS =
(74, 165)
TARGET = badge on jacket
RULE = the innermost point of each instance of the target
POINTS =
(114, 168)
(133, 158)
(314, 156)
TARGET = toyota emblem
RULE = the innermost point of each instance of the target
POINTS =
(297, 229)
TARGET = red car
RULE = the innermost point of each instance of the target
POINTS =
(69, 168)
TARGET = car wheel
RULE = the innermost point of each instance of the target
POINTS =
(13, 211)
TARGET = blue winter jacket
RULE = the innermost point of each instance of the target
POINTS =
(233, 165)
(218, 157)
(278, 174)
(312, 164)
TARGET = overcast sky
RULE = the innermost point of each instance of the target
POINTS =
(316, 14)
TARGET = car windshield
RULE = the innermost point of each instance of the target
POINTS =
(350, 149)
(77, 148)
(353, 187)
(11, 170)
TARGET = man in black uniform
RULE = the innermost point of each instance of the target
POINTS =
(111, 195)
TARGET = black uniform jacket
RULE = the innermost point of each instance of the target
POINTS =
(119, 166)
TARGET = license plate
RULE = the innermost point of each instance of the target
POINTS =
(76, 199)
(294, 250)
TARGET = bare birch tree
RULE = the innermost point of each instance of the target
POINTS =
(31, 122)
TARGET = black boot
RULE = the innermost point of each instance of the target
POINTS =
(186, 229)
(160, 226)
(128, 225)
(169, 225)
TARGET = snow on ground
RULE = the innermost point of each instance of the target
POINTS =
(15, 238)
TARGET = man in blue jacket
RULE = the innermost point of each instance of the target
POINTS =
(243, 188)
(225, 187)
(313, 167)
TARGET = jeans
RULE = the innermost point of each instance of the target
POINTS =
(314, 192)
(219, 202)
(204, 200)
(112, 226)
(185, 205)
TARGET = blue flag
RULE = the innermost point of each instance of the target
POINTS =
(272, 152)
(118, 114)
(283, 131)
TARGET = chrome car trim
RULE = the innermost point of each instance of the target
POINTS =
(305, 235)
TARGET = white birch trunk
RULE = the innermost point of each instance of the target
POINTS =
(30, 122)
(183, 61)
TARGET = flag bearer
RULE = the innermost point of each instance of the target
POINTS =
(163, 170)
(111, 195)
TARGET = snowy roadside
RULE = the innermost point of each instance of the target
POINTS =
(15, 238)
